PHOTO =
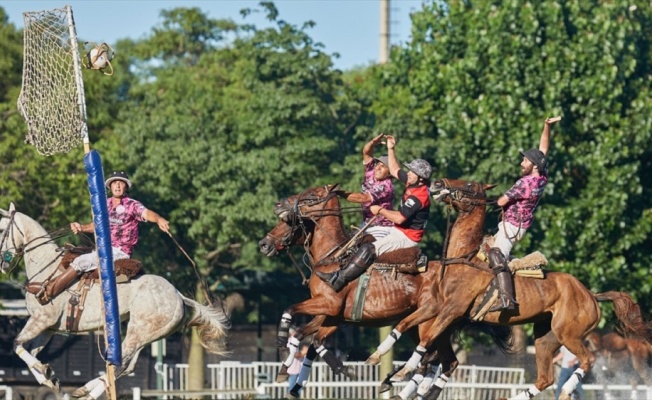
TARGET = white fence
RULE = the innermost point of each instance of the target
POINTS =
(230, 380)
(233, 380)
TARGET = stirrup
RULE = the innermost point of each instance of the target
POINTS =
(328, 277)
(505, 304)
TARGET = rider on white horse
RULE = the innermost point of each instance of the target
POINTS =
(124, 215)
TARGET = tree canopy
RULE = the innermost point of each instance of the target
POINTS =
(215, 121)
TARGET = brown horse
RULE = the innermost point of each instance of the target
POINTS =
(619, 355)
(315, 217)
(562, 309)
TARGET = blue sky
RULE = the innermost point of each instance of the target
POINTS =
(347, 27)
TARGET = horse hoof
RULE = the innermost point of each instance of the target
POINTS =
(53, 384)
(349, 372)
(434, 393)
(80, 392)
(373, 360)
(385, 387)
(400, 376)
(280, 378)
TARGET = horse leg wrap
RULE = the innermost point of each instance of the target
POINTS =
(283, 330)
(98, 390)
(389, 341)
(411, 387)
(293, 345)
(572, 382)
(32, 362)
(439, 383)
(528, 394)
(416, 358)
(425, 384)
(329, 358)
(304, 373)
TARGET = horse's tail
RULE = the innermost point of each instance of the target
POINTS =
(628, 313)
(212, 323)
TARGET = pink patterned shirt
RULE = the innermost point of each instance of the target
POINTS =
(523, 199)
(382, 194)
(124, 219)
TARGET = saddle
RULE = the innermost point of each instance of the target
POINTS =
(125, 269)
(405, 261)
(529, 266)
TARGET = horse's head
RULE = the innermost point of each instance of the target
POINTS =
(298, 216)
(11, 238)
(462, 195)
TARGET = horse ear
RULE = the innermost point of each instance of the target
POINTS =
(489, 187)
(4, 213)
(333, 187)
(12, 207)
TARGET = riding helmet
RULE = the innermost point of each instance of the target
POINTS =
(118, 176)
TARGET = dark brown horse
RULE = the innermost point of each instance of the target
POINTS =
(315, 217)
(617, 355)
(562, 309)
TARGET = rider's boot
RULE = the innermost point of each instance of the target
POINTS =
(503, 280)
(48, 290)
(358, 264)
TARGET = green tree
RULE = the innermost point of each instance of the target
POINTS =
(217, 131)
(475, 85)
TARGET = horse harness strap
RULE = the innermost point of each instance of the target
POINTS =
(76, 304)
(360, 294)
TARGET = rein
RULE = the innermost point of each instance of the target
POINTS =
(13, 258)
(294, 214)
(467, 196)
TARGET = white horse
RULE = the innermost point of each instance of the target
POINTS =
(154, 308)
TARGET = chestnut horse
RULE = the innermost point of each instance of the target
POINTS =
(562, 309)
(620, 355)
(314, 218)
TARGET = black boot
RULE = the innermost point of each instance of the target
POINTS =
(358, 264)
(503, 280)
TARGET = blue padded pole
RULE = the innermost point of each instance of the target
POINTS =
(93, 164)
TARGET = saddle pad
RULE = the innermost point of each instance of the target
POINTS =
(128, 267)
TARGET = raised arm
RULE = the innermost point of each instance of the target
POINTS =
(544, 143)
(368, 149)
(393, 166)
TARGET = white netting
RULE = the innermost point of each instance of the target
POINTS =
(52, 97)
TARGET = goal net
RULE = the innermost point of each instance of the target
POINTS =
(52, 96)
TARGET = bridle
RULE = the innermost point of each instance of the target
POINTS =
(471, 195)
(13, 255)
(299, 212)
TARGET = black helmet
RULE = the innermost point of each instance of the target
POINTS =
(118, 176)
(536, 157)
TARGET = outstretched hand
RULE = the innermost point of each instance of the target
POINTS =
(391, 141)
(163, 225)
(552, 120)
(378, 139)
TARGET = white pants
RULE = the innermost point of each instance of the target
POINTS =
(91, 261)
(507, 236)
(394, 240)
(378, 231)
